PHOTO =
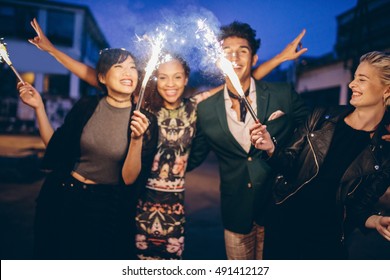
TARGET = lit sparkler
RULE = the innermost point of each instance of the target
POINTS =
(215, 53)
(227, 68)
(211, 45)
(157, 44)
(4, 57)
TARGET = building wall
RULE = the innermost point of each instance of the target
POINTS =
(364, 28)
(83, 39)
(330, 76)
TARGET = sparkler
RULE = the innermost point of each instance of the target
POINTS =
(228, 69)
(214, 51)
(156, 44)
(4, 57)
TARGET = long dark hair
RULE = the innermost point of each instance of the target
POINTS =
(107, 58)
(153, 100)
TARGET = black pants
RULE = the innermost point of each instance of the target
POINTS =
(369, 245)
(85, 221)
(291, 234)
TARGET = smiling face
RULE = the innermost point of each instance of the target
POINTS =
(367, 88)
(121, 79)
(171, 81)
(238, 51)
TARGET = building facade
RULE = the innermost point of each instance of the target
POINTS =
(71, 28)
(324, 81)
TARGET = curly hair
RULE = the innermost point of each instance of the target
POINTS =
(153, 100)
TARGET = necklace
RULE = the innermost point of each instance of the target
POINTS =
(118, 100)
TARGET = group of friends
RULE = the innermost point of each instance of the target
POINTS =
(294, 183)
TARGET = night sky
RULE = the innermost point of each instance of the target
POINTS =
(277, 21)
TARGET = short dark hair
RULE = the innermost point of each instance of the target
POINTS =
(241, 30)
(109, 57)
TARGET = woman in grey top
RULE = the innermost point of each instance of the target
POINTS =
(103, 147)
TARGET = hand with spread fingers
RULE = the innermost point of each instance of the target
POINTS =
(40, 41)
(261, 139)
(294, 49)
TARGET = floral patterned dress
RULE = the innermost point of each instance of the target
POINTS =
(160, 211)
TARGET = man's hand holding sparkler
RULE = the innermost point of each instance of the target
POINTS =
(261, 139)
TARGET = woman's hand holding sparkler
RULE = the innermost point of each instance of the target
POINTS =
(29, 95)
(138, 125)
(261, 139)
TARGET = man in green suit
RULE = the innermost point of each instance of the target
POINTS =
(223, 126)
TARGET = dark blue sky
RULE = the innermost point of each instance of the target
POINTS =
(277, 21)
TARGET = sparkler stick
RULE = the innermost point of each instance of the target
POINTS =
(152, 64)
(214, 51)
(4, 57)
(227, 67)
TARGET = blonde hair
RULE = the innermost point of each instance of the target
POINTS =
(381, 61)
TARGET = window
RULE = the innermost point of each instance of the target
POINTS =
(60, 27)
(58, 85)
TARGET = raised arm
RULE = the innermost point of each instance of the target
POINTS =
(83, 71)
(292, 51)
(31, 97)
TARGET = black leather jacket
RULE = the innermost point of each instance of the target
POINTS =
(364, 181)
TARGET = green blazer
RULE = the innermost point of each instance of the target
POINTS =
(245, 177)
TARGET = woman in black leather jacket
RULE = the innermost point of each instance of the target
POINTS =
(332, 173)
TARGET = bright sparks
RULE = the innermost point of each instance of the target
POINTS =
(156, 44)
(215, 53)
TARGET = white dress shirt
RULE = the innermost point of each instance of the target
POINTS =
(240, 130)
